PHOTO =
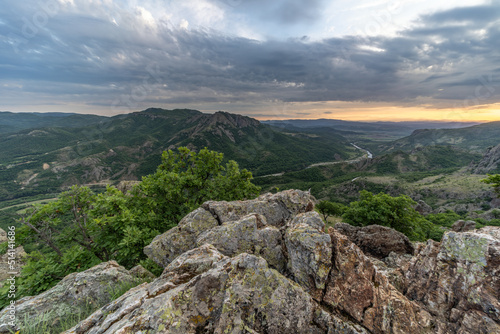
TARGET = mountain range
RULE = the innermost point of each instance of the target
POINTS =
(475, 138)
(43, 153)
(126, 147)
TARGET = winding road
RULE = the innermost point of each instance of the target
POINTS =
(368, 155)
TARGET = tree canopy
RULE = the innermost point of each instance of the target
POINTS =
(82, 228)
(395, 212)
(184, 180)
(327, 209)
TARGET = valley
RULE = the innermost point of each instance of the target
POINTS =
(44, 154)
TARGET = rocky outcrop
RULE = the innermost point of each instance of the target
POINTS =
(277, 208)
(167, 246)
(3, 236)
(376, 240)
(490, 163)
(73, 293)
(141, 273)
(423, 208)
(463, 226)
(216, 294)
(250, 234)
(309, 252)
(17, 254)
(269, 266)
(273, 211)
(458, 281)
(6, 268)
(359, 289)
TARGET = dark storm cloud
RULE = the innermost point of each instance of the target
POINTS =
(287, 12)
(296, 11)
(473, 14)
(96, 61)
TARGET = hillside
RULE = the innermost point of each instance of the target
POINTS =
(126, 147)
(421, 159)
(436, 174)
(41, 161)
(475, 138)
(12, 122)
(490, 162)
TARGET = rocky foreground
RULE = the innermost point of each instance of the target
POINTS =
(269, 266)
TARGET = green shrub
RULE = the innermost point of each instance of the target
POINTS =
(394, 212)
(445, 219)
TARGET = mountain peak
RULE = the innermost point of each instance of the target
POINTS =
(222, 124)
(233, 120)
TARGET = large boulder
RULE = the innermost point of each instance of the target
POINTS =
(3, 236)
(250, 234)
(75, 292)
(463, 226)
(423, 208)
(6, 268)
(458, 281)
(167, 246)
(494, 231)
(142, 273)
(377, 240)
(277, 208)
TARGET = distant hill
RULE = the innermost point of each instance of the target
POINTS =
(383, 129)
(126, 147)
(12, 122)
(421, 159)
(475, 138)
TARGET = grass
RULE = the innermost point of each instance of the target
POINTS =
(332, 220)
(23, 206)
(5, 205)
(47, 324)
(44, 323)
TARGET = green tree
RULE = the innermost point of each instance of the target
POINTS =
(55, 224)
(183, 181)
(382, 209)
(327, 209)
(494, 180)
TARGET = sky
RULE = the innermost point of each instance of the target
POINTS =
(280, 59)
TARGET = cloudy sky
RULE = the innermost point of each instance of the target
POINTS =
(344, 59)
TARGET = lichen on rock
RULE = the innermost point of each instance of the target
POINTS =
(459, 275)
(167, 246)
(309, 252)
